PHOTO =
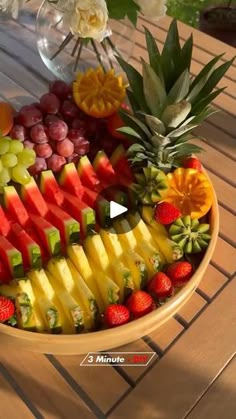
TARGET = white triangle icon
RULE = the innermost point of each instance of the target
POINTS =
(116, 209)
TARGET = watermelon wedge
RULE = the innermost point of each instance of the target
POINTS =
(33, 198)
(50, 188)
(81, 212)
(88, 175)
(69, 228)
(29, 249)
(49, 235)
(70, 181)
(5, 225)
(5, 275)
(15, 207)
(104, 169)
(11, 257)
(121, 166)
(100, 204)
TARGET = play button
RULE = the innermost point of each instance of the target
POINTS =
(116, 209)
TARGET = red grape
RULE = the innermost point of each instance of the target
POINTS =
(65, 148)
(55, 162)
(29, 116)
(82, 147)
(75, 134)
(74, 158)
(78, 124)
(43, 150)
(18, 132)
(69, 110)
(58, 130)
(50, 103)
(39, 134)
(50, 118)
(36, 105)
(39, 165)
(28, 144)
(60, 89)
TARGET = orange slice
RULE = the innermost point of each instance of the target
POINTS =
(6, 118)
(190, 191)
(99, 94)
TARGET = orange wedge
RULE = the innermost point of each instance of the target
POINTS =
(99, 94)
(6, 118)
(190, 191)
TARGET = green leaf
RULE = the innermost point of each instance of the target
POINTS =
(154, 90)
(181, 131)
(215, 77)
(186, 53)
(135, 148)
(180, 89)
(133, 122)
(129, 131)
(202, 103)
(136, 83)
(171, 56)
(155, 124)
(186, 150)
(204, 74)
(154, 55)
(132, 101)
(120, 9)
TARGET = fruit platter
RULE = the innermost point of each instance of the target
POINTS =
(74, 278)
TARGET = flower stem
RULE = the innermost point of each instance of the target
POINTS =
(103, 44)
(97, 54)
(75, 47)
(79, 53)
(66, 41)
(113, 46)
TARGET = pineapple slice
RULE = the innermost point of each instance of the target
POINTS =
(59, 269)
(92, 311)
(70, 305)
(138, 268)
(109, 290)
(171, 250)
(79, 259)
(24, 286)
(96, 252)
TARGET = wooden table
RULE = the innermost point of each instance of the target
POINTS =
(193, 373)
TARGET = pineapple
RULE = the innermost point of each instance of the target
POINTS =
(167, 103)
(28, 305)
(109, 290)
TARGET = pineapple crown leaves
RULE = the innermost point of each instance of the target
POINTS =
(167, 103)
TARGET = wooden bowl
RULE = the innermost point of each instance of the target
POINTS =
(108, 339)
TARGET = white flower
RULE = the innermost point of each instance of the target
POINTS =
(154, 9)
(11, 6)
(89, 20)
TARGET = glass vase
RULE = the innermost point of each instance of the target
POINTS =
(60, 52)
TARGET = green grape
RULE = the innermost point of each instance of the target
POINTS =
(15, 146)
(9, 160)
(5, 176)
(26, 157)
(20, 174)
(4, 145)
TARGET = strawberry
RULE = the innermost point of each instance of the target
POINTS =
(116, 315)
(160, 286)
(114, 122)
(179, 273)
(7, 309)
(140, 303)
(192, 163)
(166, 213)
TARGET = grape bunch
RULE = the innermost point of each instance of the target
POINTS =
(54, 128)
(14, 161)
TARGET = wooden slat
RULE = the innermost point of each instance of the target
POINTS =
(225, 256)
(225, 192)
(44, 386)
(13, 93)
(218, 139)
(226, 123)
(166, 334)
(12, 403)
(183, 375)
(104, 394)
(191, 309)
(227, 226)
(134, 373)
(224, 390)
(212, 281)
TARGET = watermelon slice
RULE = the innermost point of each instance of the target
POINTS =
(88, 175)
(33, 198)
(5, 275)
(104, 169)
(121, 166)
(100, 204)
(29, 249)
(11, 257)
(5, 225)
(69, 228)
(81, 212)
(15, 206)
(50, 188)
(49, 235)
(70, 181)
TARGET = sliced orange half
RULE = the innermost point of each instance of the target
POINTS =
(190, 191)
(99, 94)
